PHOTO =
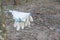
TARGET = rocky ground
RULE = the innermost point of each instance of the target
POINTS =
(46, 25)
(40, 30)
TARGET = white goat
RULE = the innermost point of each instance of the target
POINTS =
(26, 18)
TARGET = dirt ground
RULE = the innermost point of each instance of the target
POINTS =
(46, 24)
(45, 28)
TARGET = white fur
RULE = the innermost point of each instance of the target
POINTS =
(25, 17)
(21, 25)
(21, 15)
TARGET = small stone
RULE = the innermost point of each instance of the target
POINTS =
(0, 31)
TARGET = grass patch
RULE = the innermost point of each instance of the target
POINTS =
(57, 1)
(59, 38)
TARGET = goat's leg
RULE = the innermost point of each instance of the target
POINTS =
(22, 25)
(29, 24)
(18, 27)
(15, 24)
(31, 18)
